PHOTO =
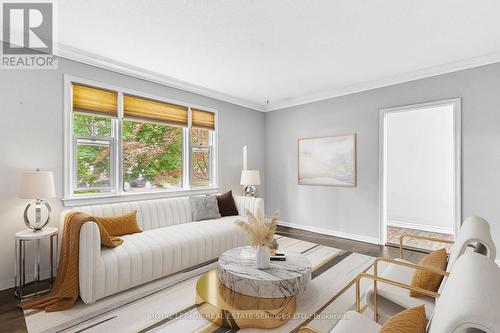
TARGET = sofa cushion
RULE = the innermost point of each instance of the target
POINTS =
(427, 280)
(119, 225)
(408, 321)
(204, 207)
(227, 206)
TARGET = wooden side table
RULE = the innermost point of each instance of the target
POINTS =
(29, 235)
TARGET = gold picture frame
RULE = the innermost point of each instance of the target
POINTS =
(320, 163)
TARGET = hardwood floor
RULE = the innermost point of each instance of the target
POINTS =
(12, 319)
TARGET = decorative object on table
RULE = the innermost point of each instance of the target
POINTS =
(37, 185)
(261, 235)
(20, 270)
(249, 179)
(329, 161)
(273, 247)
(262, 257)
(204, 207)
(227, 206)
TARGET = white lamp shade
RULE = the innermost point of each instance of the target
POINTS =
(250, 177)
(37, 185)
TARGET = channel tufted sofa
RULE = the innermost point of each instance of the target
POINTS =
(170, 242)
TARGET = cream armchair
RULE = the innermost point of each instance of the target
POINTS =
(469, 301)
(389, 299)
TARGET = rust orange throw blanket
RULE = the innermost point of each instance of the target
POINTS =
(66, 288)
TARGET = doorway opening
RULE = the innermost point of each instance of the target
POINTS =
(420, 166)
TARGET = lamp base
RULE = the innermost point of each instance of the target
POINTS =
(250, 191)
(37, 225)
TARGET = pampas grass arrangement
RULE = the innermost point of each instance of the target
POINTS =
(258, 229)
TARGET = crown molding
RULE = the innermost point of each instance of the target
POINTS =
(92, 59)
(388, 81)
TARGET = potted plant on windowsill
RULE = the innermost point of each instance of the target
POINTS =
(261, 234)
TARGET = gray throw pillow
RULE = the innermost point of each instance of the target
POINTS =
(204, 207)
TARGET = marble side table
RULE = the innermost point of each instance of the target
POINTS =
(238, 272)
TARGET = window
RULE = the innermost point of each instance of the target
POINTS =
(123, 142)
(200, 157)
(94, 111)
(203, 125)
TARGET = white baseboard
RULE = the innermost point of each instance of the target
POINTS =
(341, 234)
(498, 262)
(417, 226)
(7, 284)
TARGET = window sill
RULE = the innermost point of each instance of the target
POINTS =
(124, 197)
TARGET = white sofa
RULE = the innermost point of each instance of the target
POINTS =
(170, 242)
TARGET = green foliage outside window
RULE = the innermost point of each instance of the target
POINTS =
(152, 154)
(86, 125)
(93, 164)
(92, 156)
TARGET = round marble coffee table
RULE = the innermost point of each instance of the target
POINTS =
(227, 308)
(238, 272)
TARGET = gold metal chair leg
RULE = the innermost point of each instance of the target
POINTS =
(410, 235)
(358, 300)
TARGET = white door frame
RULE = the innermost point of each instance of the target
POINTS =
(457, 117)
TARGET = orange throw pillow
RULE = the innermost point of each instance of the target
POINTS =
(408, 321)
(119, 225)
(427, 280)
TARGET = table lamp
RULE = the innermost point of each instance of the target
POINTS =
(250, 178)
(37, 185)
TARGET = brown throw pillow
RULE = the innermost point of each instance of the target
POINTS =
(226, 204)
(426, 280)
(119, 225)
(408, 321)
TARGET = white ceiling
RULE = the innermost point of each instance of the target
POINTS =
(286, 52)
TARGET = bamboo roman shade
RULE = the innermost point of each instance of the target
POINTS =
(202, 119)
(142, 108)
(93, 100)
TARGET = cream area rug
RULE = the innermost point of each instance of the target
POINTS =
(168, 304)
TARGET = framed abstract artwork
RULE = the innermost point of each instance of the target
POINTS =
(327, 161)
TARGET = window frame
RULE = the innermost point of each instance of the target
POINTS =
(117, 192)
(111, 143)
(209, 148)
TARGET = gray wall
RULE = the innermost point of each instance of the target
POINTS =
(31, 130)
(355, 210)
